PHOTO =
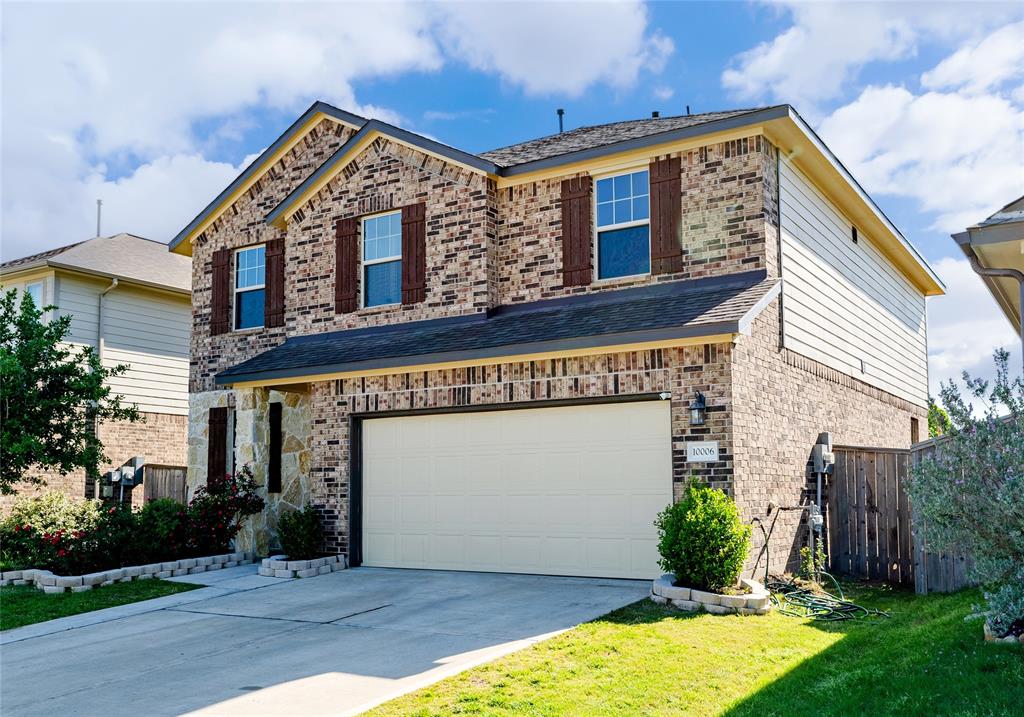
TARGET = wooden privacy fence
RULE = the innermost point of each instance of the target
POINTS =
(159, 481)
(869, 525)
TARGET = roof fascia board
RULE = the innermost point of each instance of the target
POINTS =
(341, 158)
(671, 136)
(963, 239)
(181, 243)
(26, 273)
(717, 332)
(792, 133)
(996, 233)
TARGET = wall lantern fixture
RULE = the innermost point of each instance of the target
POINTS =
(698, 410)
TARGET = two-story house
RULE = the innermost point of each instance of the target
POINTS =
(511, 361)
(130, 302)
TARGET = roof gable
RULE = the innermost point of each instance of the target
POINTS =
(309, 119)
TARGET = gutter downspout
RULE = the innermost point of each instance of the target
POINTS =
(99, 354)
(1005, 274)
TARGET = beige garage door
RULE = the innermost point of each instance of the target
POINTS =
(557, 491)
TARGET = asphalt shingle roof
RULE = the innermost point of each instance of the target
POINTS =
(598, 136)
(125, 256)
(700, 307)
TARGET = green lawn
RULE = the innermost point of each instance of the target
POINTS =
(24, 604)
(649, 660)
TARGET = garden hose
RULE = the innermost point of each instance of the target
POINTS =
(791, 599)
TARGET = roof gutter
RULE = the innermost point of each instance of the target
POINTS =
(996, 272)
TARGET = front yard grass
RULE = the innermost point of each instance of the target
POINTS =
(649, 660)
(24, 604)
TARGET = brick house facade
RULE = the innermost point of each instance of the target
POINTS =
(495, 245)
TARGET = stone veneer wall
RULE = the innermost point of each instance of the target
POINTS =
(680, 371)
(159, 437)
(727, 196)
(251, 443)
(781, 402)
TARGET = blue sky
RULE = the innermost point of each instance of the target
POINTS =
(155, 107)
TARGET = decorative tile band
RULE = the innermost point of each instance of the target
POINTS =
(279, 566)
(46, 581)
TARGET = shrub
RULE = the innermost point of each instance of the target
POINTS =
(161, 530)
(53, 511)
(702, 540)
(301, 533)
(216, 511)
(969, 496)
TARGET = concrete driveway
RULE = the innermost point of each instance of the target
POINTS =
(247, 645)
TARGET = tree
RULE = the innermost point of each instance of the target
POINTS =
(970, 495)
(938, 419)
(51, 395)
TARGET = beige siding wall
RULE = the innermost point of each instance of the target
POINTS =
(844, 304)
(79, 297)
(149, 332)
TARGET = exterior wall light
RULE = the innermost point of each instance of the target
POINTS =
(698, 410)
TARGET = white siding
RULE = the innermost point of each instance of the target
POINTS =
(845, 304)
(44, 278)
(147, 330)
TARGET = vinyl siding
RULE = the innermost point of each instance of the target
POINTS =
(146, 330)
(845, 303)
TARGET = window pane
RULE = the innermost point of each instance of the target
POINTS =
(640, 183)
(622, 211)
(249, 309)
(640, 209)
(604, 215)
(249, 267)
(382, 236)
(623, 252)
(36, 292)
(622, 190)
(604, 190)
(384, 283)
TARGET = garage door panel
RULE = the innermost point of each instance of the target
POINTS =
(570, 491)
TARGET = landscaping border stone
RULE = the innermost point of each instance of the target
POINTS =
(992, 637)
(279, 566)
(756, 601)
(46, 581)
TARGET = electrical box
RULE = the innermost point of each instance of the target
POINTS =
(823, 459)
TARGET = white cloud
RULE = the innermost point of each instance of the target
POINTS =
(822, 52)
(126, 99)
(959, 157)
(981, 66)
(563, 48)
(965, 326)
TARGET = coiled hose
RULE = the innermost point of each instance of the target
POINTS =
(791, 599)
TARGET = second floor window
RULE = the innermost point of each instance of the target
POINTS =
(35, 290)
(250, 282)
(382, 260)
(623, 225)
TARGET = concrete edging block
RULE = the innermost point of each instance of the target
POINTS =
(756, 601)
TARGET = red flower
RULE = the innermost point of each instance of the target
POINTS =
(61, 553)
(17, 528)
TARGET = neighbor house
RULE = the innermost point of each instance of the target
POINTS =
(512, 360)
(995, 249)
(130, 301)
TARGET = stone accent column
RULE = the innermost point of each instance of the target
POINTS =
(252, 440)
(199, 405)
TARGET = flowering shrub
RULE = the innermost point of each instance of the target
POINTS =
(970, 495)
(216, 511)
(114, 535)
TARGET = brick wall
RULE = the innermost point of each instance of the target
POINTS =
(160, 438)
(680, 371)
(781, 402)
(725, 204)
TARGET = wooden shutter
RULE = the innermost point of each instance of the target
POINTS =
(414, 253)
(577, 262)
(346, 266)
(217, 443)
(220, 302)
(666, 215)
(274, 467)
(273, 307)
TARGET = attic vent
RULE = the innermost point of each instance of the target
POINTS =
(853, 234)
(655, 114)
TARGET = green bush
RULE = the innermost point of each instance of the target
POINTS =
(301, 533)
(702, 539)
(217, 509)
(161, 529)
(53, 511)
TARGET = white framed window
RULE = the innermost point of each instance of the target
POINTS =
(382, 259)
(250, 287)
(622, 207)
(35, 290)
